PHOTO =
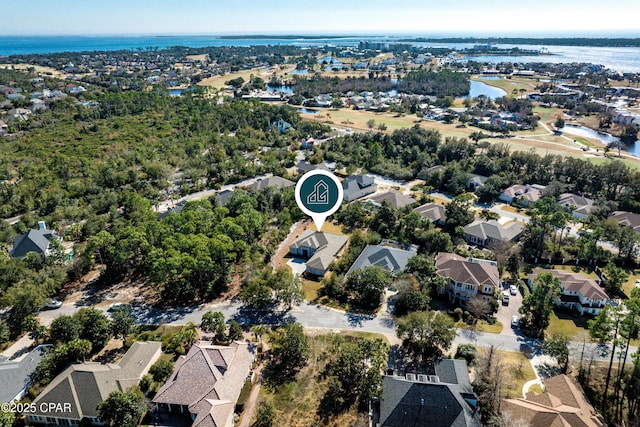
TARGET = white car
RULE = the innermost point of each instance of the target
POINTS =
(515, 321)
(53, 303)
(505, 297)
(513, 289)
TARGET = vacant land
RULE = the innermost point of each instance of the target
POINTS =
(38, 69)
(517, 371)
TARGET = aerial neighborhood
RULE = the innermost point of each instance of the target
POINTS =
(482, 269)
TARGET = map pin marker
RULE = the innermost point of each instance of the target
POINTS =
(319, 194)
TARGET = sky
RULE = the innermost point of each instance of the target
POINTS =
(348, 17)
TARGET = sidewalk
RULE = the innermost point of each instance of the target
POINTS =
(19, 349)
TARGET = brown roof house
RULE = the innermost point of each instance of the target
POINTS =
(78, 390)
(562, 404)
(319, 248)
(468, 277)
(579, 292)
(206, 383)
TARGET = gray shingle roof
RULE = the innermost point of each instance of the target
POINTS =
(84, 385)
(428, 403)
(33, 241)
(493, 230)
(274, 181)
(327, 246)
(394, 198)
(434, 212)
(357, 186)
(390, 258)
(628, 219)
(15, 375)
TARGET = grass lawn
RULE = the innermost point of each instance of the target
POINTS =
(518, 371)
(629, 285)
(218, 82)
(481, 326)
(329, 227)
(508, 85)
(563, 322)
(536, 388)
(599, 160)
(311, 289)
(548, 114)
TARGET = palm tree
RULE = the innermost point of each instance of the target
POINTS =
(258, 331)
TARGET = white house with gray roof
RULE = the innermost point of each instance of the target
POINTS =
(319, 248)
(16, 374)
(434, 212)
(390, 255)
(357, 186)
(79, 389)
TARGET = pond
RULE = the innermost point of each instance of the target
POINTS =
(490, 77)
(479, 88)
(299, 72)
(605, 138)
(307, 111)
(281, 89)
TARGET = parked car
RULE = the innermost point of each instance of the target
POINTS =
(53, 303)
(505, 297)
(515, 321)
(513, 289)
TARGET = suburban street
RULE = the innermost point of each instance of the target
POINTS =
(317, 317)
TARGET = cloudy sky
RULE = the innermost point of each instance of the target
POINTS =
(462, 17)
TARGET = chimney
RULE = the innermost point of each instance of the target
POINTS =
(42, 225)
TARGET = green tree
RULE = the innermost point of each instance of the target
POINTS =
(235, 331)
(488, 385)
(366, 286)
(79, 349)
(291, 292)
(257, 295)
(7, 419)
(559, 123)
(459, 211)
(426, 334)
(122, 322)
(371, 123)
(5, 333)
(513, 267)
(25, 299)
(289, 353)
(537, 306)
(64, 329)
(161, 370)
(122, 409)
(264, 414)
(96, 327)
(213, 322)
(558, 347)
(616, 277)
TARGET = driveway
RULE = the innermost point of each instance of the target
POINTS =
(506, 312)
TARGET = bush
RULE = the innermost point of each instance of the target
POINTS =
(458, 313)
(491, 320)
(161, 370)
(145, 383)
(466, 352)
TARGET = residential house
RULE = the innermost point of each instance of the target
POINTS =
(79, 389)
(16, 374)
(476, 181)
(391, 255)
(38, 241)
(303, 167)
(523, 195)
(319, 248)
(222, 197)
(579, 292)
(395, 198)
(282, 126)
(628, 219)
(468, 277)
(357, 186)
(434, 212)
(4, 128)
(482, 232)
(21, 114)
(206, 383)
(176, 209)
(444, 399)
(271, 182)
(579, 206)
(563, 403)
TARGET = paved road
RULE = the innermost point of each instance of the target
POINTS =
(320, 317)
